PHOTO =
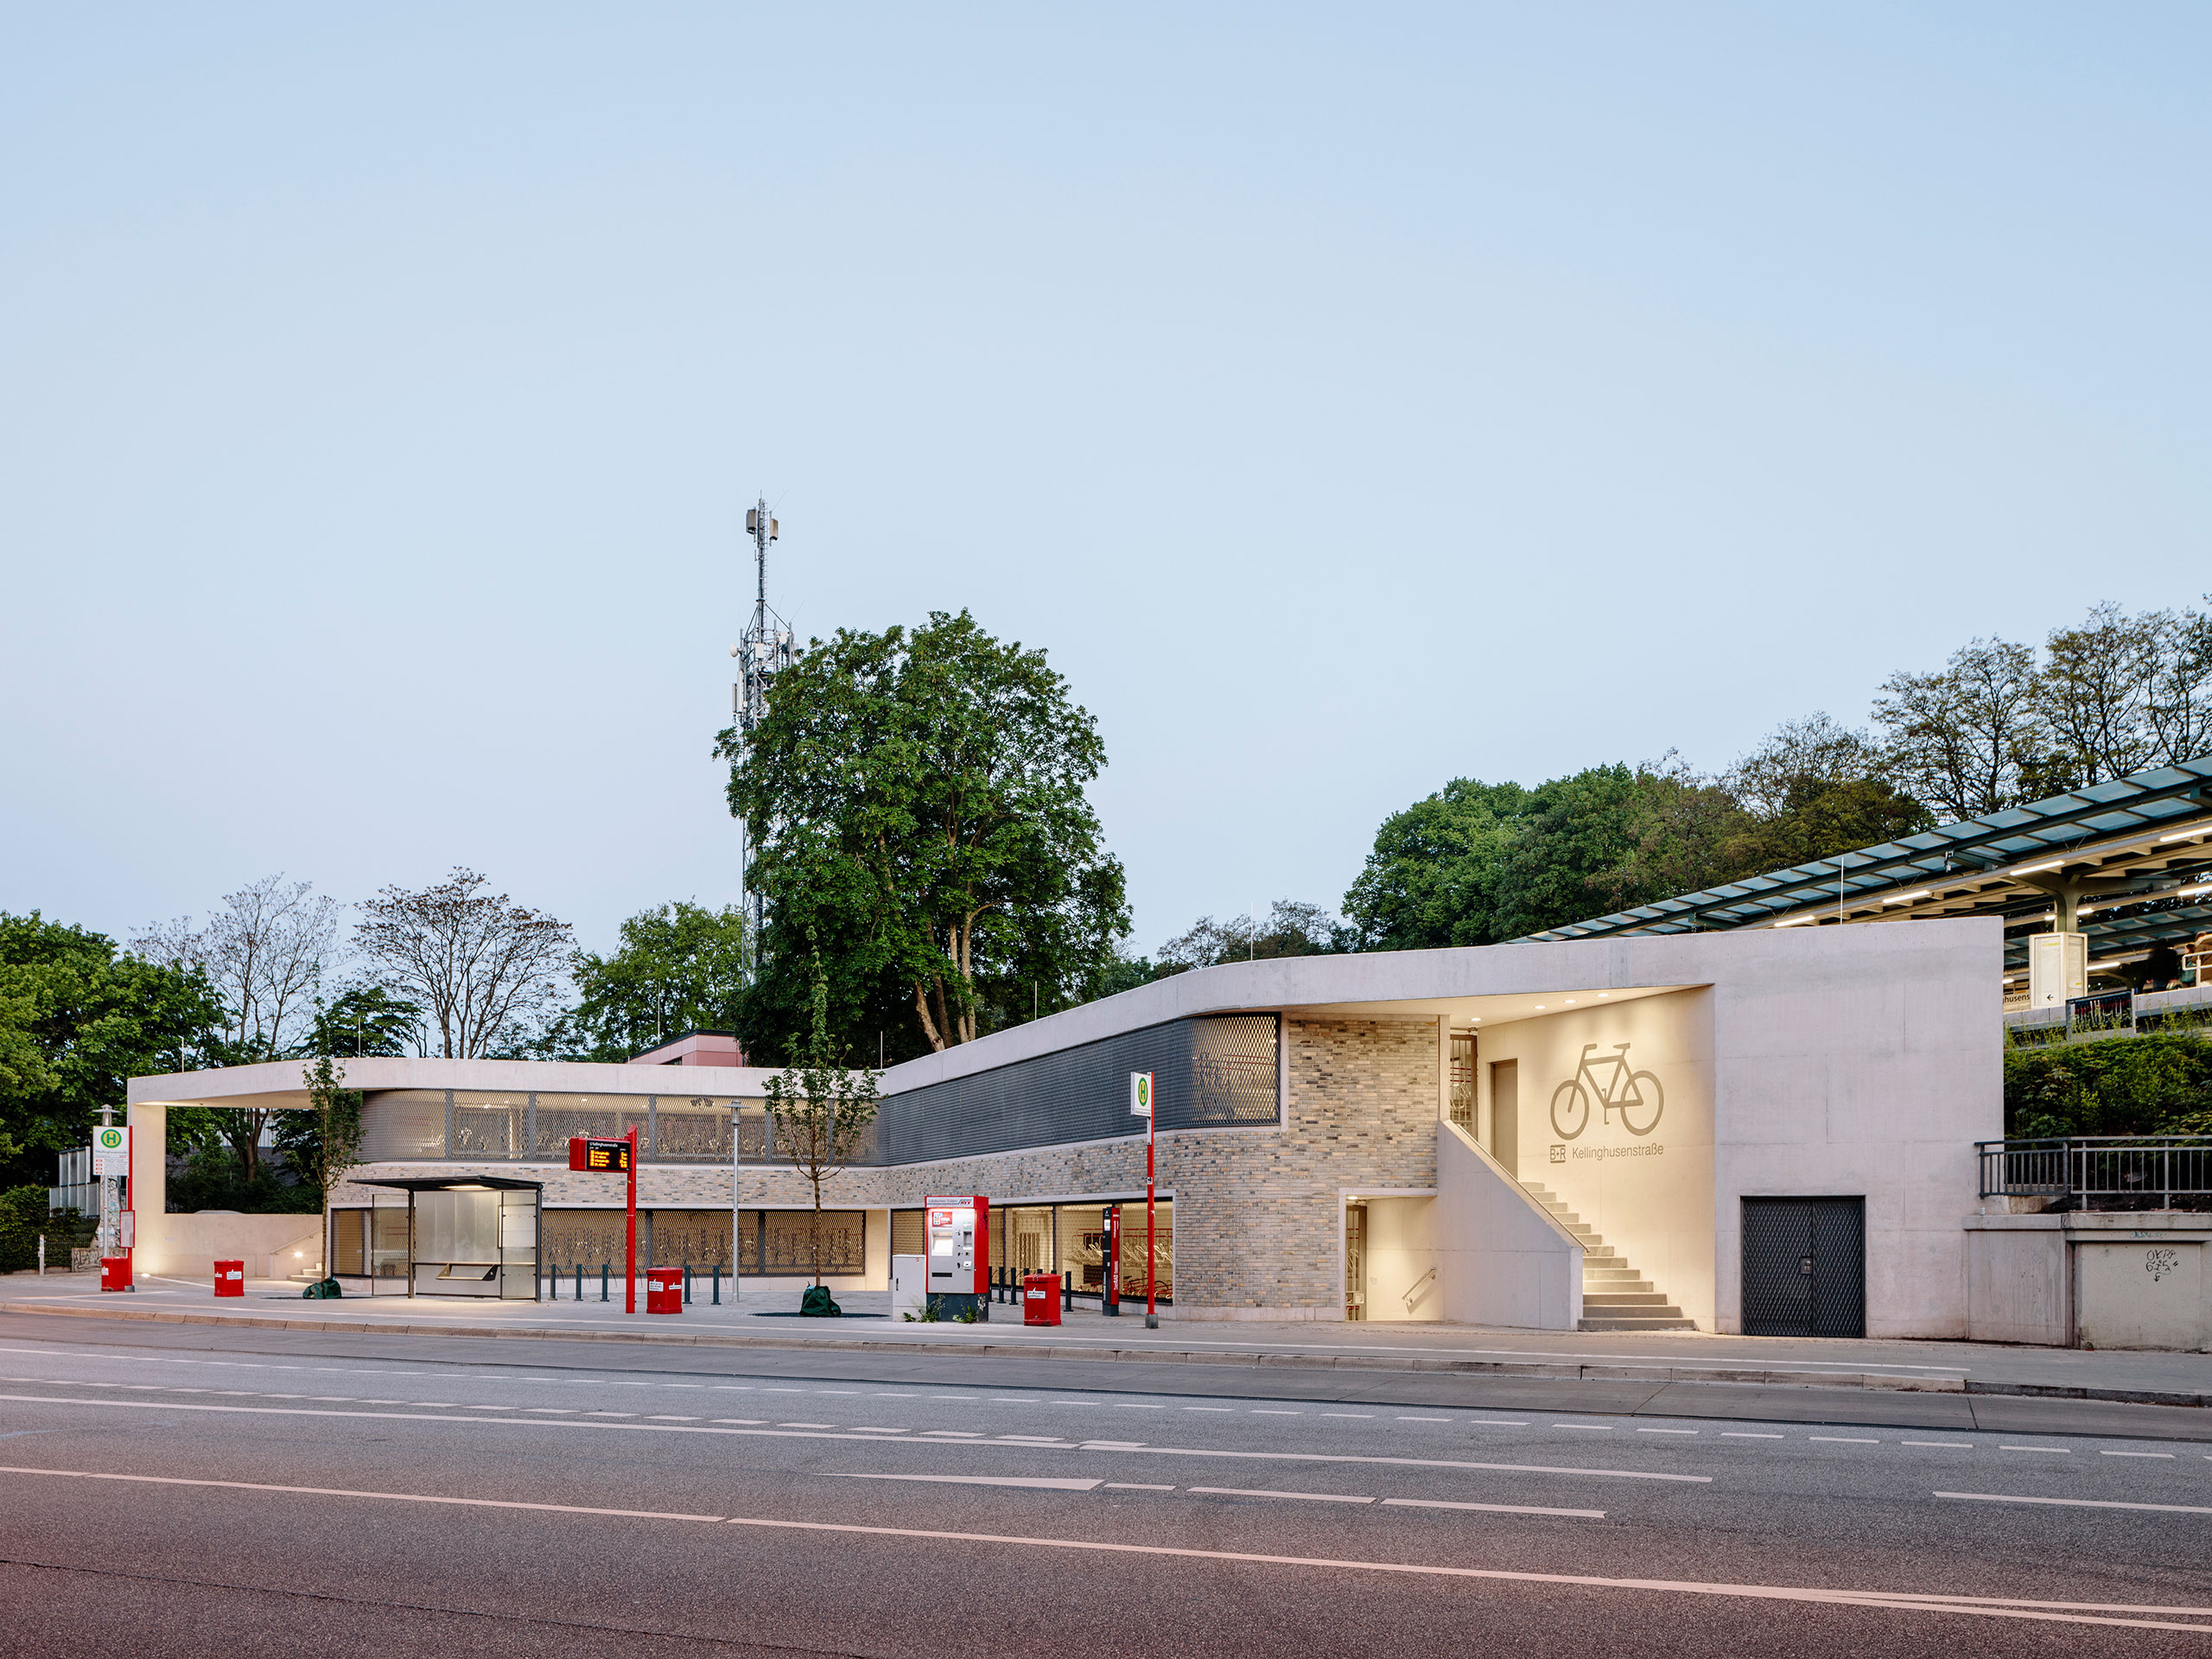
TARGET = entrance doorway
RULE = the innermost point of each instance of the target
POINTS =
(1805, 1267)
(1505, 1114)
(1355, 1261)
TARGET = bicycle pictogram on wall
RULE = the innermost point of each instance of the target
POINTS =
(1635, 1095)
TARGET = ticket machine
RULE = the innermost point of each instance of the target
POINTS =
(959, 1254)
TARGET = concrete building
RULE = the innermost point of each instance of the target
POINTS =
(1746, 1131)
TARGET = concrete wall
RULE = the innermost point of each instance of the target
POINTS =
(1403, 1276)
(1864, 1060)
(2139, 1279)
(1502, 1258)
(1650, 1196)
(188, 1246)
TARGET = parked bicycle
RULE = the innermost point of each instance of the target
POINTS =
(1635, 1095)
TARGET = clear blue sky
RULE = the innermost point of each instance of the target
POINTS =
(1347, 398)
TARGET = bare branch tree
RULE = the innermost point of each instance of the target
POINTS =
(264, 952)
(1958, 739)
(2180, 711)
(481, 967)
(2097, 686)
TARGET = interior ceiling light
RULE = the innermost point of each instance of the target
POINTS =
(1570, 1002)
(1604, 993)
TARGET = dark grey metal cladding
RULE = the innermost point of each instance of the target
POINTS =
(1804, 1266)
(1221, 1071)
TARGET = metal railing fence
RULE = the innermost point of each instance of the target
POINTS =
(2108, 1171)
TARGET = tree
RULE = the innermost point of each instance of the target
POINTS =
(820, 1110)
(77, 1018)
(366, 1020)
(263, 952)
(1815, 789)
(679, 968)
(1432, 878)
(1959, 740)
(321, 1142)
(2095, 691)
(916, 804)
(1294, 929)
(2180, 710)
(483, 967)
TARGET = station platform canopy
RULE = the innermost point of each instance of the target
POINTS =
(2127, 862)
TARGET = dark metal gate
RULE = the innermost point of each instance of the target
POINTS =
(1804, 1266)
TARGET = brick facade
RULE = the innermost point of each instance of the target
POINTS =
(1257, 1211)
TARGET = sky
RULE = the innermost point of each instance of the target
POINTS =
(1346, 398)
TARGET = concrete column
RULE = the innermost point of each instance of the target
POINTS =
(150, 1185)
(1443, 1066)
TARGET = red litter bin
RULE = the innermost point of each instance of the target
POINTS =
(664, 1290)
(115, 1273)
(230, 1277)
(1040, 1299)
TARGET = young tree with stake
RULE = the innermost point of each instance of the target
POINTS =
(820, 1109)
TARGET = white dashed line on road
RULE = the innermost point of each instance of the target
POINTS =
(1493, 1508)
(1308, 1498)
(1842, 1439)
(2135, 1454)
(1666, 1431)
(1955, 1446)
(2074, 1503)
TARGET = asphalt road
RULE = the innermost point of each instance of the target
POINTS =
(188, 1490)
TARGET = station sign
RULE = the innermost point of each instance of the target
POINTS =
(1141, 1094)
(599, 1157)
(111, 1153)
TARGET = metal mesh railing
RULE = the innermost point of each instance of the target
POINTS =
(2157, 1172)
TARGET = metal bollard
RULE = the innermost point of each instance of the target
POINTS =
(687, 1284)
(603, 1267)
(580, 1281)
(715, 1281)
(1067, 1292)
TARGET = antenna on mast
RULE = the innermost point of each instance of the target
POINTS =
(763, 650)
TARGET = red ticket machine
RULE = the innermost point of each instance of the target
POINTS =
(959, 1253)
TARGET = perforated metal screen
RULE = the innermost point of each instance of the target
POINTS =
(1804, 1266)
(1220, 1072)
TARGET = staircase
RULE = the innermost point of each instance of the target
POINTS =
(1614, 1296)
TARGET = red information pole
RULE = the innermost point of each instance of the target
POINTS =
(1141, 1105)
(630, 1233)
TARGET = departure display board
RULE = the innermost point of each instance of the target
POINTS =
(600, 1157)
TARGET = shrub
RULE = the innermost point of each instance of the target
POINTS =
(2156, 1084)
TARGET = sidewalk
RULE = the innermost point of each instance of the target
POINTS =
(769, 1321)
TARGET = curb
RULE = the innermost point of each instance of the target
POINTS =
(1559, 1370)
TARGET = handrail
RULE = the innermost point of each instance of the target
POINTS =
(2133, 1166)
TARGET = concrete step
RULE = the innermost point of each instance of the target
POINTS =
(1611, 1323)
(1617, 1287)
(1629, 1300)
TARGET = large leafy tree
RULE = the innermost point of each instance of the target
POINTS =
(678, 968)
(1432, 879)
(915, 802)
(77, 1018)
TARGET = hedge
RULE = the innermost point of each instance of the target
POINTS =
(2160, 1084)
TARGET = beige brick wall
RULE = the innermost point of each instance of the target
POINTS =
(1256, 1211)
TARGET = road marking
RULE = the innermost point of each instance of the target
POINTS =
(562, 1411)
(342, 1491)
(748, 1422)
(1030, 1439)
(1424, 1420)
(1745, 1434)
(2055, 1451)
(1269, 1411)
(668, 1417)
(1498, 1422)
(2077, 1502)
(2167, 1455)
(836, 1390)
(1841, 1439)
(1955, 1446)
(881, 1395)
(1363, 1415)
(1209, 1407)
(766, 1390)
(1606, 1426)
(934, 1437)
(1308, 1498)
(1129, 1405)
(1666, 1431)
(997, 1399)
(806, 1425)
(1134, 1486)
(1494, 1509)
(1033, 1483)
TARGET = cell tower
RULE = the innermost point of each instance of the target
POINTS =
(763, 652)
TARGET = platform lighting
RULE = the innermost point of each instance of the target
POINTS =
(2185, 834)
(2191, 893)
(1603, 995)
(2037, 869)
(1908, 898)
(1797, 921)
